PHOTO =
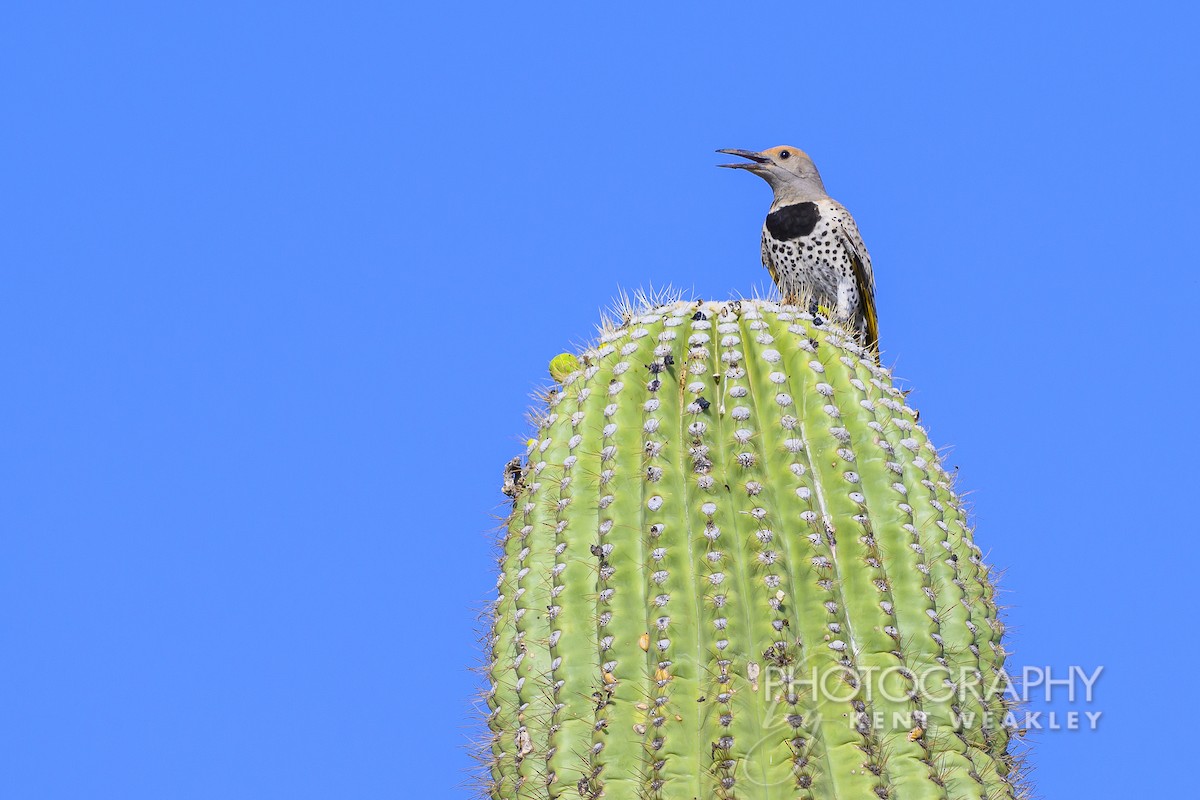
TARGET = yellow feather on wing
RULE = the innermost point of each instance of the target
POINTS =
(866, 291)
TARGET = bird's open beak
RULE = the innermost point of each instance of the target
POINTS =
(755, 159)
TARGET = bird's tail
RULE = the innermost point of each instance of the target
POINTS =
(871, 327)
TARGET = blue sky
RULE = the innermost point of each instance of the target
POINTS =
(279, 279)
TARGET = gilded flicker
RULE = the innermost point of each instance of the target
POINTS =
(810, 243)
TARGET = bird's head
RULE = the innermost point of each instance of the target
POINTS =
(789, 170)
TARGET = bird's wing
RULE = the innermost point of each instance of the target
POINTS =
(864, 276)
(766, 258)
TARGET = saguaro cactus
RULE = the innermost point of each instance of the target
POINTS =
(734, 568)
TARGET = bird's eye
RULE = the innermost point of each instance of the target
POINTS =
(784, 154)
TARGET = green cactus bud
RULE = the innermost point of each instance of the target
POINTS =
(735, 568)
(562, 365)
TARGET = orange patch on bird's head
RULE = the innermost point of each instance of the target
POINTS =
(784, 152)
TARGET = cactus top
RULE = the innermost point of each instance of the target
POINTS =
(734, 567)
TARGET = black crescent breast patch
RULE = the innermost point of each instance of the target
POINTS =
(792, 222)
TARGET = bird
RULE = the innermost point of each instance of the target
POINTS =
(810, 243)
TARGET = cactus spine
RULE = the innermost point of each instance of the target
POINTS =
(734, 568)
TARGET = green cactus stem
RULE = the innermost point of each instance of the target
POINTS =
(735, 568)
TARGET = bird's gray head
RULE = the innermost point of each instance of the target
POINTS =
(789, 170)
